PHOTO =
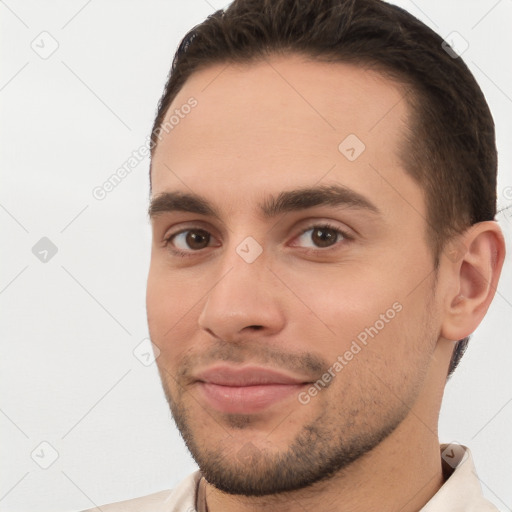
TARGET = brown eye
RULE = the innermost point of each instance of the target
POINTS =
(320, 237)
(324, 237)
(190, 239)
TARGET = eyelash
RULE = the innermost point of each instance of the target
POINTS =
(325, 225)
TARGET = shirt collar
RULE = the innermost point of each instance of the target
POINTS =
(461, 491)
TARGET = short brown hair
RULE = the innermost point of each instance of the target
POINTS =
(449, 148)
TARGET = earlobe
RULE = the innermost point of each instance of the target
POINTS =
(475, 276)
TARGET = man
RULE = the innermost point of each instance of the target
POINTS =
(323, 198)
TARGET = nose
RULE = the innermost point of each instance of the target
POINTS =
(244, 303)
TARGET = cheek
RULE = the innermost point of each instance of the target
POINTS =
(170, 306)
(364, 307)
(171, 292)
(345, 298)
(381, 365)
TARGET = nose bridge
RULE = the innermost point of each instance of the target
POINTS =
(243, 295)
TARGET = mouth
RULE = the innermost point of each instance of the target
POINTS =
(247, 389)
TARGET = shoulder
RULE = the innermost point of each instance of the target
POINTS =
(180, 498)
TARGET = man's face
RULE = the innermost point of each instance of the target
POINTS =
(289, 349)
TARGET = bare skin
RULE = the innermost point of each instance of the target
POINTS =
(259, 130)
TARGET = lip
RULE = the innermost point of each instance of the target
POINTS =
(247, 389)
(225, 375)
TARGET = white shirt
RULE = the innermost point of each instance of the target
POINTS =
(461, 492)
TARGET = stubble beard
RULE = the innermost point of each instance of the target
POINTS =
(321, 449)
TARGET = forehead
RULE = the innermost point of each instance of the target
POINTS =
(264, 126)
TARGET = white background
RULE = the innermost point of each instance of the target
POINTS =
(69, 326)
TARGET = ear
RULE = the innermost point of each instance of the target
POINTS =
(474, 262)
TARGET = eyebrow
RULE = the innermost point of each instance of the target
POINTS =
(286, 201)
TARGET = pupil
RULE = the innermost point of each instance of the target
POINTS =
(329, 236)
(197, 238)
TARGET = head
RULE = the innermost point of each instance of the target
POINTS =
(345, 166)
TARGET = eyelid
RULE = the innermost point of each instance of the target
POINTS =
(187, 226)
(346, 237)
(168, 237)
(327, 224)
